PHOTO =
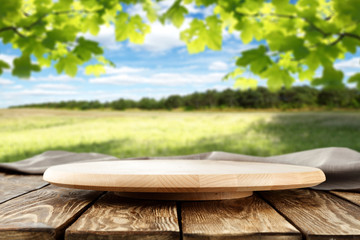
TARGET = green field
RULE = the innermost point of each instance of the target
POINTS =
(26, 132)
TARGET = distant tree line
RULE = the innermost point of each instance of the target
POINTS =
(261, 98)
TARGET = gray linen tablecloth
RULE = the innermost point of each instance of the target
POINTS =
(340, 165)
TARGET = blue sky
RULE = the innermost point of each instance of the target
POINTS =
(158, 68)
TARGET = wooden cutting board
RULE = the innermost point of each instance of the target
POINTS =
(183, 179)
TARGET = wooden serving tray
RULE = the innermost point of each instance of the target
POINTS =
(183, 179)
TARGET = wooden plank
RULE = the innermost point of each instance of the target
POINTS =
(318, 215)
(12, 186)
(115, 217)
(43, 214)
(350, 196)
(247, 218)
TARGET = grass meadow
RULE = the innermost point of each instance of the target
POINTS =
(27, 132)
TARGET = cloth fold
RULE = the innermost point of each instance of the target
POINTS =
(340, 165)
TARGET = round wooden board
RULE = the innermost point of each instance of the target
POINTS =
(183, 179)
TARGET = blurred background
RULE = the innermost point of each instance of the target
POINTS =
(157, 99)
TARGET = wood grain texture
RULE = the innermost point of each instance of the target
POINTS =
(115, 217)
(350, 196)
(42, 214)
(247, 218)
(182, 176)
(319, 215)
(12, 186)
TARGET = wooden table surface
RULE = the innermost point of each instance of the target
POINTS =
(32, 209)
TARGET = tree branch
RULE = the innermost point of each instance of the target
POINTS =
(325, 34)
(352, 35)
(14, 29)
(53, 13)
(39, 20)
(341, 36)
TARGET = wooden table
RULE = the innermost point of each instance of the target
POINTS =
(32, 209)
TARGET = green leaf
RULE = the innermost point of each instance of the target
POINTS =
(63, 5)
(214, 37)
(132, 28)
(7, 36)
(348, 8)
(245, 83)
(138, 30)
(151, 13)
(355, 79)
(86, 48)
(277, 77)
(234, 74)
(66, 34)
(249, 29)
(68, 64)
(256, 58)
(104, 61)
(249, 7)
(10, 10)
(350, 44)
(91, 5)
(227, 18)
(23, 67)
(306, 75)
(308, 3)
(121, 30)
(92, 24)
(202, 34)
(284, 7)
(3, 65)
(246, 35)
(331, 78)
(176, 14)
(312, 60)
(275, 40)
(96, 69)
(298, 36)
(296, 45)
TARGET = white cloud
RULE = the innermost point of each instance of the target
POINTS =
(123, 70)
(164, 5)
(17, 86)
(106, 37)
(37, 92)
(220, 87)
(351, 63)
(237, 47)
(7, 58)
(4, 81)
(161, 38)
(349, 74)
(193, 9)
(168, 79)
(218, 66)
(52, 78)
(164, 37)
(137, 9)
(56, 86)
